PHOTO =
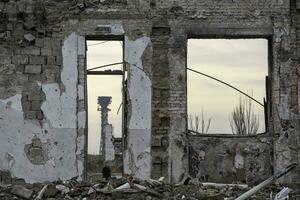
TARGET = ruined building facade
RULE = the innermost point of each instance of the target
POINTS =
(43, 123)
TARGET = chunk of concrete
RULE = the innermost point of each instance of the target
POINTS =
(21, 191)
(63, 189)
(122, 187)
(283, 194)
(29, 37)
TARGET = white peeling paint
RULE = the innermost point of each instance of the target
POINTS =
(139, 84)
(137, 159)
(60, 109)
(14, 102)
(17, 132)
(58, 130)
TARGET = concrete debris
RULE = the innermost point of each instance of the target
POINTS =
(270, 180)
(63, 189)
(130, 188)
(41, 193)
(283, 194)
(154, 182)
(122, 187)
(29, 37)
(107, 189)
(161, 179)
(220, 185)
(21, 191)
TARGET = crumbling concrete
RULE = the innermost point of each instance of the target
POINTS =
(122, 188)
(231, 159)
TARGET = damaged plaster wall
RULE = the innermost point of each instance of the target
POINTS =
(30, 148)
(229, 159)
(137, 158)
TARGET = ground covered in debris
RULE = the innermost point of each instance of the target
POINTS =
(129, 188)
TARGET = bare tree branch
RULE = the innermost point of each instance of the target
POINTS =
(243, 121)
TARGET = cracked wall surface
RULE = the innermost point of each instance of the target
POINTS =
(43, 90)
(137, 159)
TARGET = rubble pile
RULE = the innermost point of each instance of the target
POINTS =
(130, 188)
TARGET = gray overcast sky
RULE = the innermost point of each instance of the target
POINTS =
(97, 55)
(240, 62)
(243, 63)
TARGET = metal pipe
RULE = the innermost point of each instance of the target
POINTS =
(266, 182)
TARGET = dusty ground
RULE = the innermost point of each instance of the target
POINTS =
(135, 190)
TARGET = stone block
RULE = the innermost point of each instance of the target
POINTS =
(28, 51)
(46, 51)
(7, 68)
(39, 115)
(33, 69)
(35, 152)
(4, 51)
(156, 142)
(26, 105)
(56, 51)
(36, 142)
(51, 60)
(5, 59)
(39, 42)
(58, 60)
(49, 78)
(20, 59)
(52, 42)
(21, 191)
(30, 115)
(35, 95)
(37, 60)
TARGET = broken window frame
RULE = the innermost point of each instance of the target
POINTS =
(268, 79)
